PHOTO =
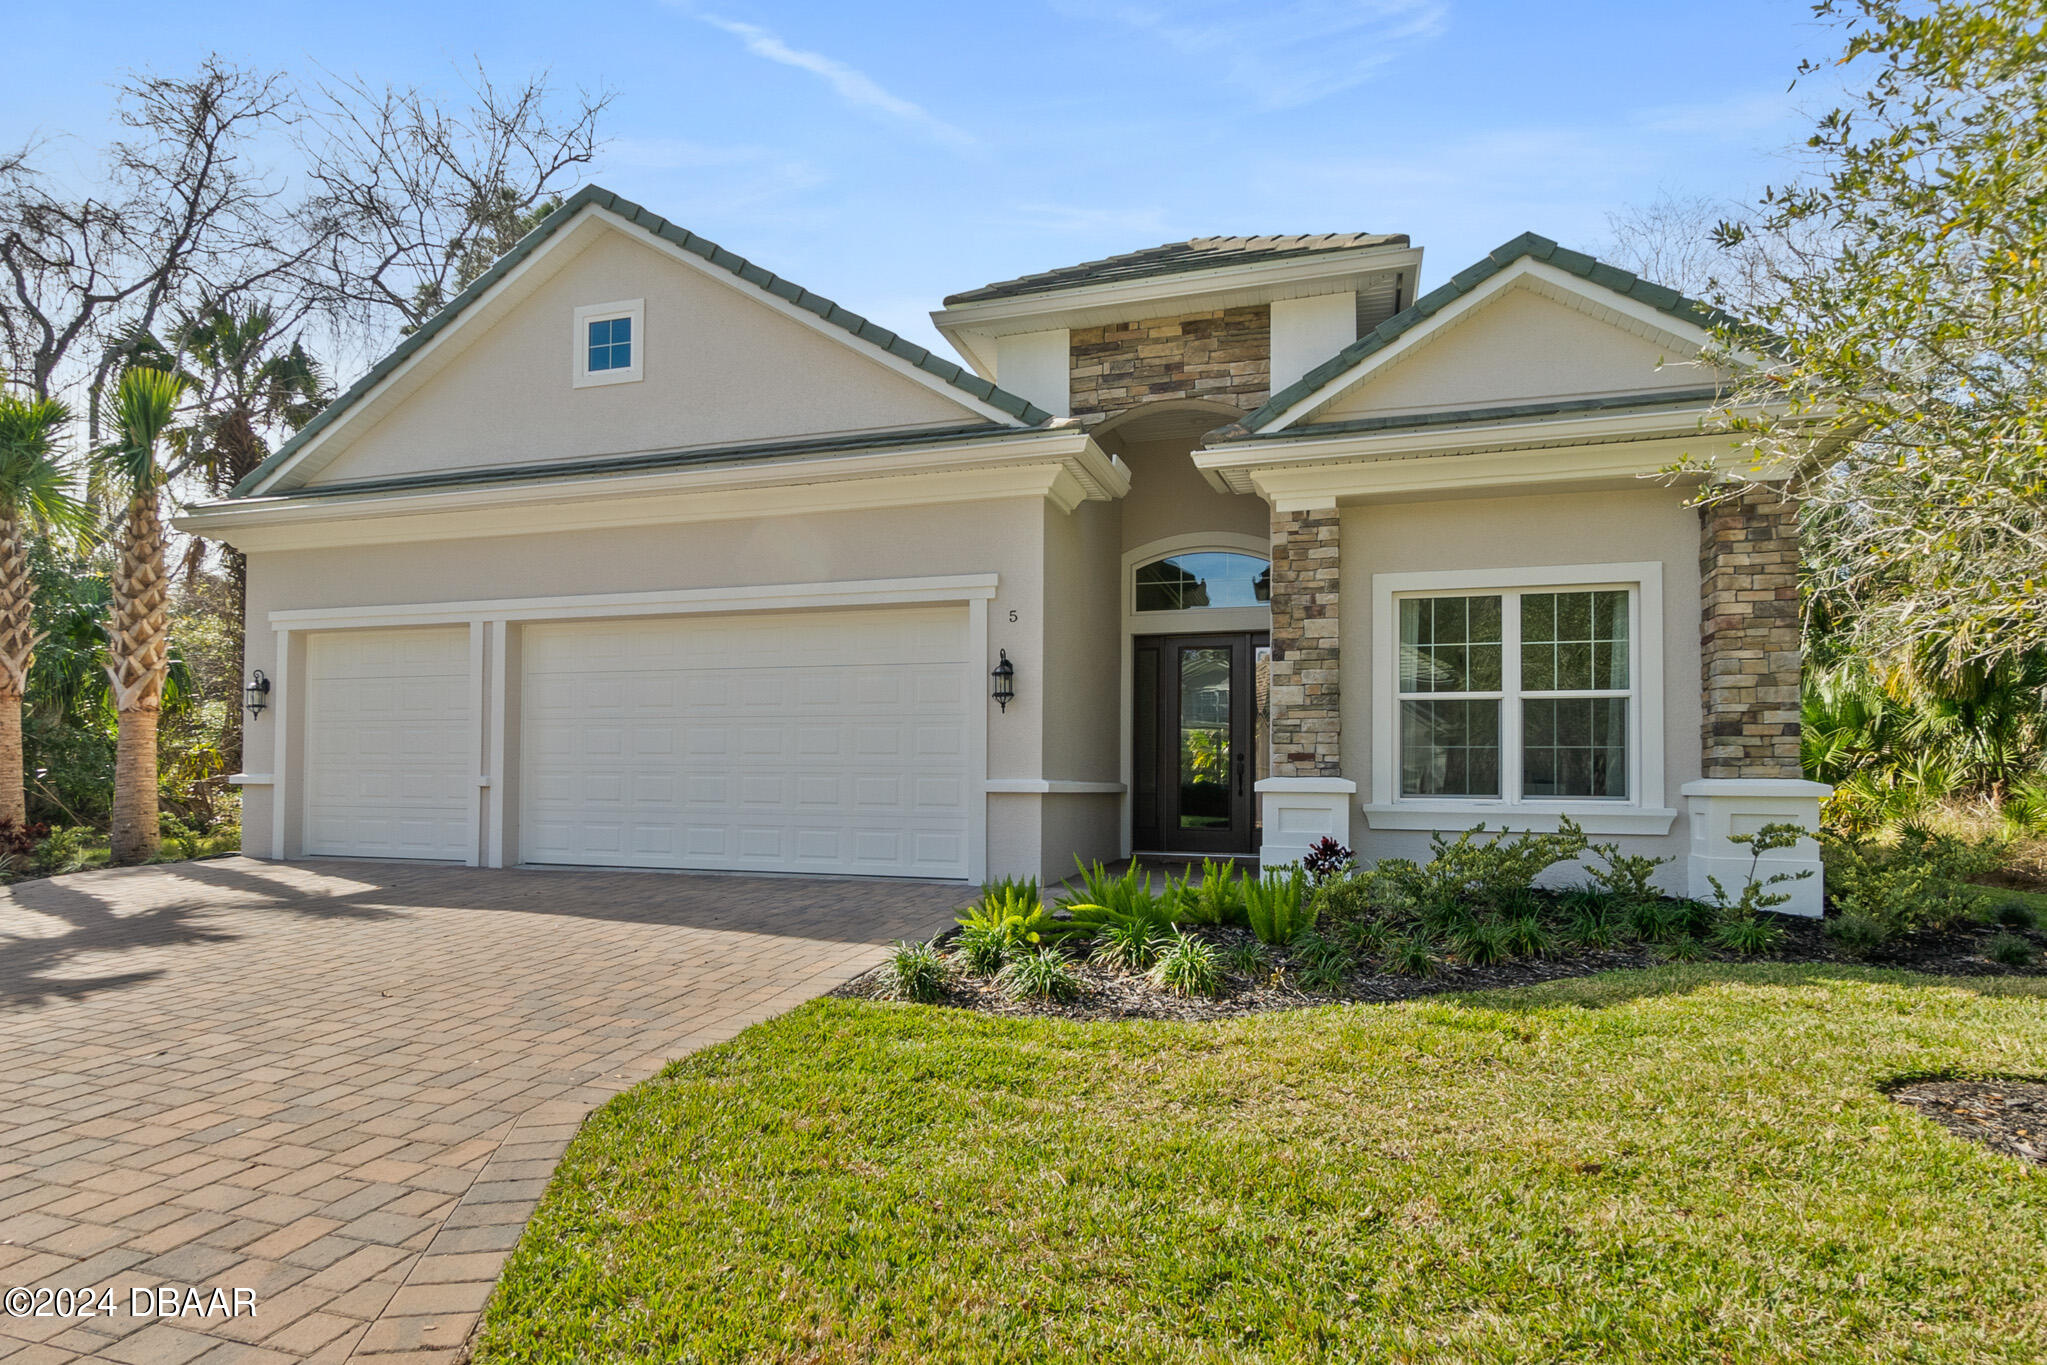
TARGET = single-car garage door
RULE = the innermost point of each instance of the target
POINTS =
(786, 742)
(389, 724)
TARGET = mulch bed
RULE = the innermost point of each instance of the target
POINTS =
(2006, 1116)
(1111, 995)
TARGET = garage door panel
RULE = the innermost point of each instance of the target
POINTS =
(389, 722)
(821, 742)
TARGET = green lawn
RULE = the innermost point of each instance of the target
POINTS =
(1688, 1164)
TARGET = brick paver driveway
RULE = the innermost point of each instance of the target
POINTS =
(342, 1085)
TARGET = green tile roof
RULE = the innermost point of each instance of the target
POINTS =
(1200, 253)
(1528, 244)
(852, 323)
(1644, 401)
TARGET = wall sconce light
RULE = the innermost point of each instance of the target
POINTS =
(1005, 681)
(256, 695)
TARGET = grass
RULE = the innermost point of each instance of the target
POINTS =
(97, 851)
(1690, 1163)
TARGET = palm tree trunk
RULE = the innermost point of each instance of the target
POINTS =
(17, 649)
(138, 653)
(138, 832)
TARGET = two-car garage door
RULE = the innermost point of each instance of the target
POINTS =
(826, 742)
(815, 742)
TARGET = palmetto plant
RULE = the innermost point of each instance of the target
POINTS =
(35, 494)
(138, 626)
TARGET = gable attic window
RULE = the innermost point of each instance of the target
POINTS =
(609, 343)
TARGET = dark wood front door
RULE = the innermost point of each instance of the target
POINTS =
(1195, 746)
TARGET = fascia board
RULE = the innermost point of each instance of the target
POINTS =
(1190, 291)
(1307, 484)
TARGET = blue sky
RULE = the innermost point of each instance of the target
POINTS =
(888, 155)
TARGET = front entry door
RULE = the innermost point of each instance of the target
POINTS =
(1198, 740)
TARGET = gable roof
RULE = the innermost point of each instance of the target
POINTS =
(855, 326)
(1199, 253)
(1528, 245)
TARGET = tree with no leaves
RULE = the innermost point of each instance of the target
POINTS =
(35, 495)
(138, 630)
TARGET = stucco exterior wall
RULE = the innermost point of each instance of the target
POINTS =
(720, 367)
(1652, 524)
(1520, 347)
(1168, 497)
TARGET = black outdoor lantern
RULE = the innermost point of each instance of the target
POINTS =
(1005, 681)
(256, 695)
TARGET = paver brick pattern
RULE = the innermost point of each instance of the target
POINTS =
(343, 1084)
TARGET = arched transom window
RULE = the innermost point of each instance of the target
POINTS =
(1203, 578)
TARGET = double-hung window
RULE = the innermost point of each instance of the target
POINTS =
(1504, 691)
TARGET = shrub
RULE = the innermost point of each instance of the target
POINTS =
(1323, 979)
(18, 844)
(1042, 975)
(1218, 898)
(1277, 904)
(1187, 966)
(1488, 873)
(1251, 959)
(1756, 894)
(1482, 942)
(1654, 921)
(179, 836)
(1918, 883)
(1857, 934)
(2013, 913)
(2009, 949)
(1684, 948)
(982, 949)
(1748, 934)
(1626, 877)
(64, 850)
(1408, 955)
(1012, 889)
(1527, 936)
(1364, 935)
(1126, 947)
(1592, 919)
(916, 972)
(1373, 896)
(1327, 860)
(1312, 950)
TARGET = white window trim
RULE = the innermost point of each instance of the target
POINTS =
(1643, 812)
(579, 343)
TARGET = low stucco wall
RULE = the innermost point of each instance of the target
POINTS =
(1635, 525)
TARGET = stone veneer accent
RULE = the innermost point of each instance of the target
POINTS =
(1748, 576)
(1307, 724)
(1224, 354)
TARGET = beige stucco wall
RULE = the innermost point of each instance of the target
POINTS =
(1519, 347)
(1168, 497)
(720, 365)
(1520, 532)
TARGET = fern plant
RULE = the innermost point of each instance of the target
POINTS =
(1277, 905)
(1217, 898)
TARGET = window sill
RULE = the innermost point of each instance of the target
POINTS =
(1542, 820)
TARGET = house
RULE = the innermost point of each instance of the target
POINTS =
(638, 555)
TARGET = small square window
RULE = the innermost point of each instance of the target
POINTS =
(608, 345)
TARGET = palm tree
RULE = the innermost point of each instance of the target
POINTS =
(138, 631)
(244, 382)
(34, 494)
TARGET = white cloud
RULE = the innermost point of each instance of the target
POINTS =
(853, 86)
(1287, 53)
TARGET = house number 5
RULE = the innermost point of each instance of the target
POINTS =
(1012, 618)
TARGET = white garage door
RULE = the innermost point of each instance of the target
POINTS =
(787, 742)
(388, 734)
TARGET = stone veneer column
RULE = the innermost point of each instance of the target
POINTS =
(1307, 796)
(1749, 655)
(1307, 724)
(1749, 638)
